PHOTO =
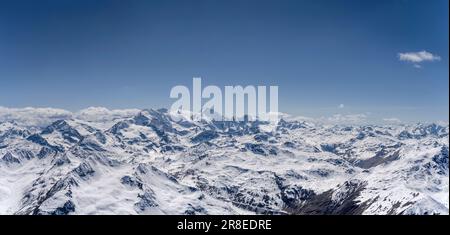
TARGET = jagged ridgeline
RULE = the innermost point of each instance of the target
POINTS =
(148, 163)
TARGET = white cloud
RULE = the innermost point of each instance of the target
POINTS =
(392, 120)
(44, 116)
(33, 116)
(347, 119)
(288, 117)
(341, 106)
(100, 114)
(418, 57)
(344, 119)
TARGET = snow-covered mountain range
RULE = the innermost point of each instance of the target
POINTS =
(145, 162)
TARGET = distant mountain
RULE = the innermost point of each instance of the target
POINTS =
(149, 162)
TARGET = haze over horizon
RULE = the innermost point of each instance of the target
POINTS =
(381, 60)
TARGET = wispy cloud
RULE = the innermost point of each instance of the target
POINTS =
(348, 118)
(341, 106)
(418, 57)
(44, 116)
(99, 114)
(392, 120)
(33, 116)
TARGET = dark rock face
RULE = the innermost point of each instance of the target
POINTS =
(171, 148)
(118, 126)
(261, 149)
(261, 137)
(205, 136)
(321, 172)
(90, 145)
(164, 174)
(237, 128)
(323, 204)
(158, 121)
(68, 133)
(84, 170)
(68, 207)
(131, 181)
(424, 131)
(405, 135)
(45, 151)
(442, 162)
(257, 201)
(328, 148)
(295, 195)
(12, 133)
(100, 137)
(291, 125)
(195, 210)
(63, 185)
(62, 160)
(141, 120)
(289, 144)
(38, 139)
(442, 158)
(256, 148)
(146, 200)
(25, 154)
(8, 158)
(378, 159)
(360, 136)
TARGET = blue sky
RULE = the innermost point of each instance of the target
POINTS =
(129, 54)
